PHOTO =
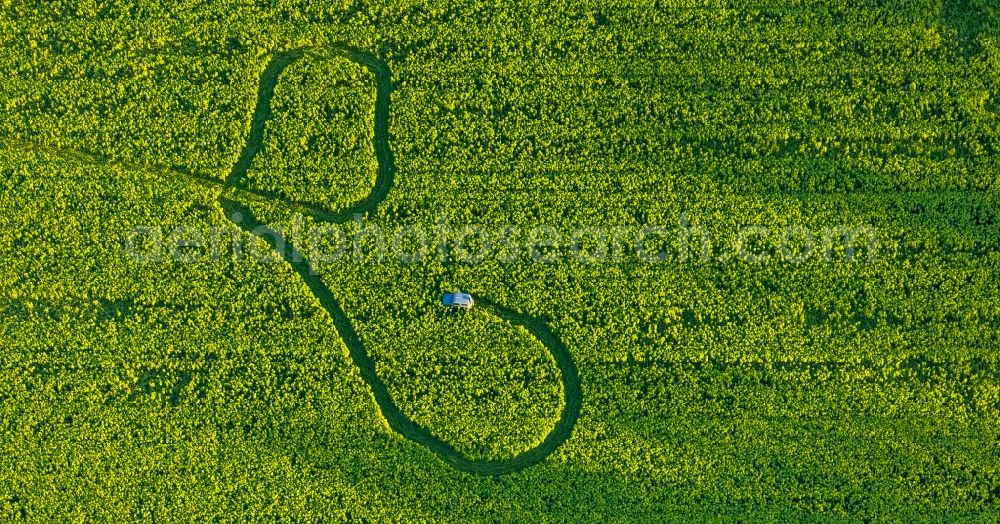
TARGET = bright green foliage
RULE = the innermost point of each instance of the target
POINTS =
(712, 390)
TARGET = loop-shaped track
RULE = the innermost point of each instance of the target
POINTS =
(397, 420)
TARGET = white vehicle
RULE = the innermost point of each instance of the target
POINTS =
(458, 300)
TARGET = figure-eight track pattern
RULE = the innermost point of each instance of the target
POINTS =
(245, 219)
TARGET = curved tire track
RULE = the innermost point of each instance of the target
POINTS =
(397, 420)
(233, 186)
(262, 113)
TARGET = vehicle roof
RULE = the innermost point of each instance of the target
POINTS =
(462, 298)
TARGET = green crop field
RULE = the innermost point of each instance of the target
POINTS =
(731, 260)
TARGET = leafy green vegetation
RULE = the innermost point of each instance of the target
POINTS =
(713, 388)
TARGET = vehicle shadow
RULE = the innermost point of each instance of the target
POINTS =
(969, 19)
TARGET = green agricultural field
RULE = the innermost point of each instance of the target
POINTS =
(731, 260)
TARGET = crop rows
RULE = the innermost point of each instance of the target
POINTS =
(715, 387)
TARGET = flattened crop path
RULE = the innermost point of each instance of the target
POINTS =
(245, 219)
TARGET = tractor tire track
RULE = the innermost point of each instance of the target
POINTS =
(394, 416)
(242, 217)
(233, 188)
(262, 113)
